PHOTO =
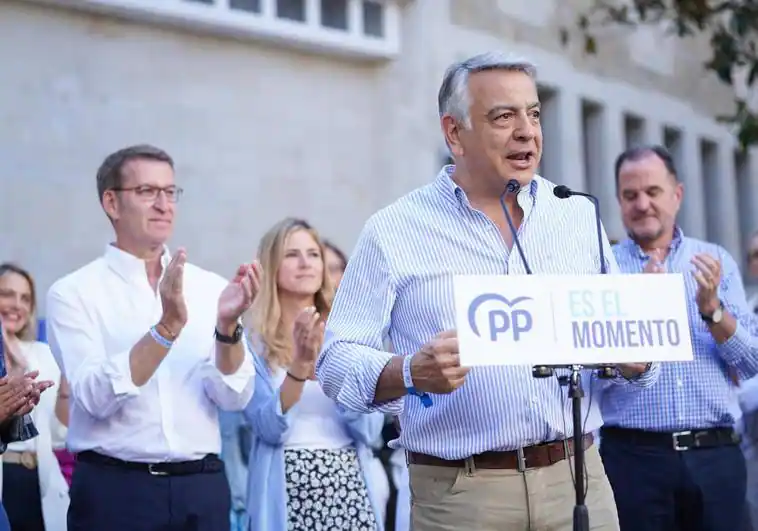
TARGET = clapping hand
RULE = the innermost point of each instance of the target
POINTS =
(20, 393)
(708, 277)
(308, 336)
(171, 290)
(239, 294)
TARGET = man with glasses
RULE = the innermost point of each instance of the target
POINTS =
(151, 347)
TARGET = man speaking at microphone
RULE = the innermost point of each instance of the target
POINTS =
(490, 451)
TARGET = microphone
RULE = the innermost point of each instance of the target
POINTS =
(564, 192)
(513, 187)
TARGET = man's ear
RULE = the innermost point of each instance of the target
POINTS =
(110, 204)
(451, 131)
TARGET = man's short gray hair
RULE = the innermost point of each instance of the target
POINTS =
(454, 98)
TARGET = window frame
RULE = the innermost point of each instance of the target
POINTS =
(220, 19)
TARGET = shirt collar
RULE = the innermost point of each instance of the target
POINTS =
(450, 189)
(129, 266)
(676, 242)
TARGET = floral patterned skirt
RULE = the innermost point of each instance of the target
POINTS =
(326, 491)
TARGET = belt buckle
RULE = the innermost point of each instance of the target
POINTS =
(28, 460)
(154, 471)
(675, 438)
(520, 460)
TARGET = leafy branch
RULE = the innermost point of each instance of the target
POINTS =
(730, 26)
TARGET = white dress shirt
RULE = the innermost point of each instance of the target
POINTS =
(95, 316)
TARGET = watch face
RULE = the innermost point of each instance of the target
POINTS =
(718, 315)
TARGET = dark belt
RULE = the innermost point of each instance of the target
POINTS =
(679, 441)
(207, 465)
(537, 456)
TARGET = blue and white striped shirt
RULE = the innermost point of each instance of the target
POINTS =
(399, 282)
(698, 393)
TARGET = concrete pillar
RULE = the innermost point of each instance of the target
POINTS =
(747, 196)
(653, 132)
(605, 137)
(692, 216)
(747, 191)
(724, 223)
(563, 160)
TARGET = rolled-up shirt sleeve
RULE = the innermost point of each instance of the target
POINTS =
(230, 392)
(741, 350)
(353, 356)
(100, 382)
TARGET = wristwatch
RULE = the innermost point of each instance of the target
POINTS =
(717, 316)
(229, 340)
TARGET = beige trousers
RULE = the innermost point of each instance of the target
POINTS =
(540, 499)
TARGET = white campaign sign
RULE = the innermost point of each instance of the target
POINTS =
(571, 319)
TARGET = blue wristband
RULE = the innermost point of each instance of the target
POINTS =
(158, 338)
(426, 400)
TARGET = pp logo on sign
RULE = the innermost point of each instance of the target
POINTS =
(500, 321)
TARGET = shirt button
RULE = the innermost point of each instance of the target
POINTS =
(679, 382)
(535, 400)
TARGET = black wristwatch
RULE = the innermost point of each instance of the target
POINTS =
(717, 316)
(229, 340)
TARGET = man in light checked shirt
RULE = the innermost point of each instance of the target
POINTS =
(671, 453)
(491, 452)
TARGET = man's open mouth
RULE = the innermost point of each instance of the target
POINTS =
(521, 155)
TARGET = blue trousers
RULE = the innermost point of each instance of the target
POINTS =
(4, 525)
(108, 498)
(660, 489)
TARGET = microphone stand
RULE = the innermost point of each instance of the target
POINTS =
(576, 393)
(574, 380)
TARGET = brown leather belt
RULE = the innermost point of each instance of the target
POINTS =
(25, 459)
(537, 456)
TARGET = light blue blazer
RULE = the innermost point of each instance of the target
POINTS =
(266, 497)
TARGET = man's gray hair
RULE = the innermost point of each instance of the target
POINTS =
(454, 98)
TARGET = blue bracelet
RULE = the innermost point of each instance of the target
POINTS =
(426, 400)
(162, 341)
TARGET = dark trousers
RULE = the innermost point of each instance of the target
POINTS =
(109, 498)
(22, 499)
(660, 489)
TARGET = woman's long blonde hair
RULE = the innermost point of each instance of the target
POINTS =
(29, 330)
(265, 317)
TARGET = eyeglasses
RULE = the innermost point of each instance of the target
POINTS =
(151, 193)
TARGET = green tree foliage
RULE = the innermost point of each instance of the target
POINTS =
(730, 26)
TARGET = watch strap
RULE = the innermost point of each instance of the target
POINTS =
(709, 318)
(229, 340)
